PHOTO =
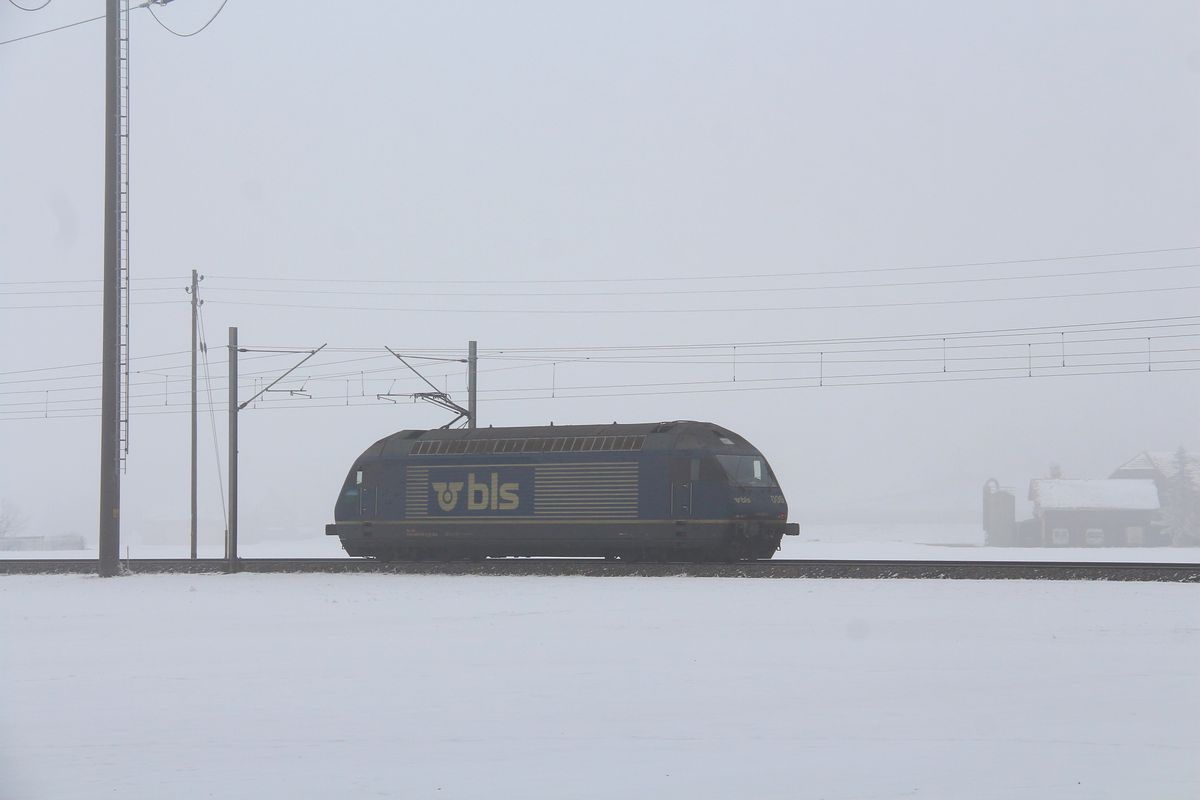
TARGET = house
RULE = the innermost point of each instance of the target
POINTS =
(1094, 513)
(1159, 467)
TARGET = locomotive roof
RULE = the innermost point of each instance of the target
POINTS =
(659, 435)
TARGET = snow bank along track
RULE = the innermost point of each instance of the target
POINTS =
(974, 570)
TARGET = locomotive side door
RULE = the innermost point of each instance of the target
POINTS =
(681, 487)
(368, 493)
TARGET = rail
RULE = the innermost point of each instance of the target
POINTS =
(806, 568)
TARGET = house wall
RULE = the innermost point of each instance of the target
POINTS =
(1115, 525)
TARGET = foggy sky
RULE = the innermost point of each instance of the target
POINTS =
(550, 141)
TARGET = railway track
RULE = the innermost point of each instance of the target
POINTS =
(962, 570)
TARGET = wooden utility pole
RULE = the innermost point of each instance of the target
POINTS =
(231, 532)
(195, 292)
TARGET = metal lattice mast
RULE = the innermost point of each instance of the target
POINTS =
(123, 224)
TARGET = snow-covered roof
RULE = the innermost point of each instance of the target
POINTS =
(1129, 494)
(1159, 463)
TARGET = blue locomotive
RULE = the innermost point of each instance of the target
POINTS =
(655, 491)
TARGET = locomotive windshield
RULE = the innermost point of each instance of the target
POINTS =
(747, 470)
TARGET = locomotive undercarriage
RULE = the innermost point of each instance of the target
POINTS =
(657, 541)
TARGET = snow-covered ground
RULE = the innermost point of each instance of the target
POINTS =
(369, 686)
(914, 541)
(954, 542)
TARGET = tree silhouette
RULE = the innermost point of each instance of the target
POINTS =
(1181, 506)
(12, 521)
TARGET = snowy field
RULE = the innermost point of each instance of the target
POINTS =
(375, 686)
(909, 541)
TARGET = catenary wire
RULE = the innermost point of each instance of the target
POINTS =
(1035, 362)
(908, 379)
(572, 354)
(1079, 360)
(943, 352)
(1149, 323)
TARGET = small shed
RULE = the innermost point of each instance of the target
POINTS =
(1095, 513)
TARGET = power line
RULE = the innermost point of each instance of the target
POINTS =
(640, 279)
(212, 418)
(52, 30)
(25, 292)
(91, 305)
(88, 363)
(168, 29)
(713, 311)
(622, 293)
(95, 375)
(136, 279)
(722, 291)
(14, 4)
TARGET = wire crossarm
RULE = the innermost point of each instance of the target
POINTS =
(281, 377)
(437, 397)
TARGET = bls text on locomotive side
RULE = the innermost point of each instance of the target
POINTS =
(482, 495)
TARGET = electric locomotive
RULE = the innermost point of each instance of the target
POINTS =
(656, 491)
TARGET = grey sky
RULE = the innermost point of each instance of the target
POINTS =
(547, 141)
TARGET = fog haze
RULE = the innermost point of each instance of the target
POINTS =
(535, 141)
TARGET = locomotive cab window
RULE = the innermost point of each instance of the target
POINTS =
(747, 470)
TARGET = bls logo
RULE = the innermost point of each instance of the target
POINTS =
(447, 494)
(486, 495)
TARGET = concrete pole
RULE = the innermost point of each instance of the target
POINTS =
(195, 326)
(231, 530)
(472, 362)
(110, 457)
